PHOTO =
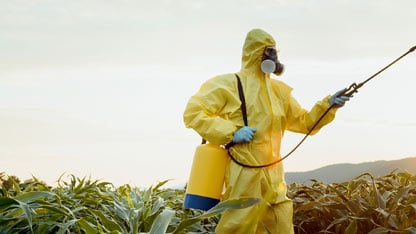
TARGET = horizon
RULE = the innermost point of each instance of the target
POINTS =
(176, 184)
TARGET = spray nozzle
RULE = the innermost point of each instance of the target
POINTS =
(351, 90)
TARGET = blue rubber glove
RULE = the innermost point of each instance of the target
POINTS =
(244, 134)
(338, 99)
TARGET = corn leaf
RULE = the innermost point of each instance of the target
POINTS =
(64, 228)
(32, 196)
(380, 230)
(162, 221)
(6, 202)
(220, 207)
(27, 213)
(352, 228)
(87, 227)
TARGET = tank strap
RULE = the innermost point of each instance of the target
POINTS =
(242, 99)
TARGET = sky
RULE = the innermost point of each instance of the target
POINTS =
(97, 88)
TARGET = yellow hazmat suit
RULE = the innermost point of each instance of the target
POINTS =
(214, 112)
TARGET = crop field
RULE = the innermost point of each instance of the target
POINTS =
(364, 204)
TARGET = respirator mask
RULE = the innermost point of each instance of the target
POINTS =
(270, 63)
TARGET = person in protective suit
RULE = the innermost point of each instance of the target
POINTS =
(214, 112)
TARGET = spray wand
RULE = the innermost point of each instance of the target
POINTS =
(354, 87)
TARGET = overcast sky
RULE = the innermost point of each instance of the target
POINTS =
(98, 88)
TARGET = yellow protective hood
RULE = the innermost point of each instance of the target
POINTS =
(256, 41)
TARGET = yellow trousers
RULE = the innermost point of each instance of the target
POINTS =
(259, 219)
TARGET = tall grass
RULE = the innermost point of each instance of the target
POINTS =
(80, 205)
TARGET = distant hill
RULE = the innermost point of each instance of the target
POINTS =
(342, 172)
(346, 171)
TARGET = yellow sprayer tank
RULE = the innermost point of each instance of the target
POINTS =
(206, 180)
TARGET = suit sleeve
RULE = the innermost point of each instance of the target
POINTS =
(205, 113)
(301, 121)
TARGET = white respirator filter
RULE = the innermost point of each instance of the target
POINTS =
(268, 66)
